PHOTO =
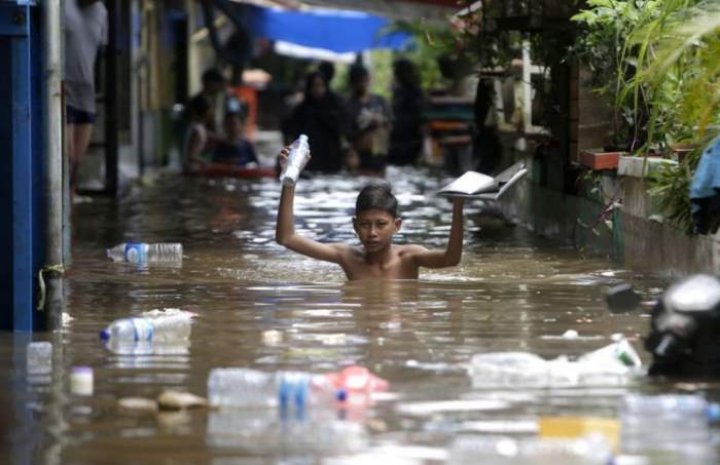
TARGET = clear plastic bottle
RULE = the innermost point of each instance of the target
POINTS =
(166, 329)
(501, 450)
(508, 369)
(669, 428)
(298, 156)
(614, 365)
(142, 253)
(287, 390)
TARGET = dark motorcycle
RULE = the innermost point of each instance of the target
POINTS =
(684, 337)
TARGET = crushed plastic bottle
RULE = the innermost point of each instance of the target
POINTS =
(142, 253)
(619, 351)
(298, 156)
(164, 329)
(613, 365)
(290, 392)
(668, 428)
(502, 450)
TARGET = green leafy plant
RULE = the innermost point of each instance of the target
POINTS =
(665, 73)
(617, 39)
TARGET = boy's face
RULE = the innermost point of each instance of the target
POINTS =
(375, 228)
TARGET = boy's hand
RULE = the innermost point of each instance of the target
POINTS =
(283, 157)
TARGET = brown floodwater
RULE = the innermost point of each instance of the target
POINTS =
(262, 306)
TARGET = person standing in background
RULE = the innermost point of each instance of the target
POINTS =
(369, 124)
(86, 31)
(406, 136)
(324, 120)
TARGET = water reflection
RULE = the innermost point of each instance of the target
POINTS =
(262, 432)
(261, 306)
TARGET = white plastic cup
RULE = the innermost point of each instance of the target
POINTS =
(39, 358)
(82, 381)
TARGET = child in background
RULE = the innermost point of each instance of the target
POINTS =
(198, 139)
(234, 149)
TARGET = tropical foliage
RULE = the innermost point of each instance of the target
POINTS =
(663, 61)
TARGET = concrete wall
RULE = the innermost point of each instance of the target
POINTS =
(632, 237)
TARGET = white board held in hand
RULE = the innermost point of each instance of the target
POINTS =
(481, 186)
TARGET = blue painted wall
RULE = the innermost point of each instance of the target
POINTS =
(21, 167)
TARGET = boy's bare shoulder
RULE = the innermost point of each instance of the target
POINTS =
(410, 250)
(348, 250)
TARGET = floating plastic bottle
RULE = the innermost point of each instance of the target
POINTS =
(668, 428)
(620, 351)
(165, 329)
(291, 392)
(501, 450)
(612, 365)
(298, 156)
(351, 387)
(142, 253)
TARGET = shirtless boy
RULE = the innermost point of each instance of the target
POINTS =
(376, 221)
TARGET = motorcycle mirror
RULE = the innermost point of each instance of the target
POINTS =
(622, 298)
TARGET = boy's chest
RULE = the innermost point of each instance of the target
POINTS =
(397, 268)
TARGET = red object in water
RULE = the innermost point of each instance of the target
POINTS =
(357, 379)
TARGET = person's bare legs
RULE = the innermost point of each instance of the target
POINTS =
(79, 136)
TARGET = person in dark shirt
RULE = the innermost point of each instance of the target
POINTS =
(406, 136)
(369, 123)
(214, 91)
(324, 120)
(234, 149)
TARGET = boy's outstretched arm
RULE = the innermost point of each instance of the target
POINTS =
(285, 231)
(452, 253)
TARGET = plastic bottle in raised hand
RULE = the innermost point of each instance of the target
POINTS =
(143, 253)
(298, 156)
(286, 390)
(163, 330)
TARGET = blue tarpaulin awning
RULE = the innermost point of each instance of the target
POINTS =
(339, 31)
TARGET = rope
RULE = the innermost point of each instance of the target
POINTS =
(59, 269)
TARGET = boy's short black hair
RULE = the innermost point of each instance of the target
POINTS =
(377, 196)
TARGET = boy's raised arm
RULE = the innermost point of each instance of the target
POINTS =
(285, 232)
(452, 253)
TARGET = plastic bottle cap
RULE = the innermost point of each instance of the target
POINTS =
(341, 395)
(104, 335)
